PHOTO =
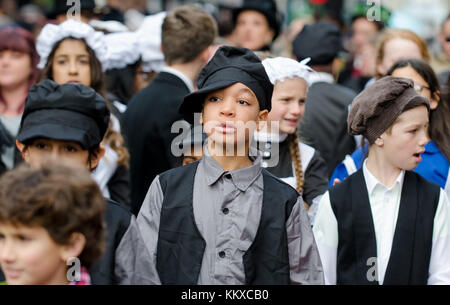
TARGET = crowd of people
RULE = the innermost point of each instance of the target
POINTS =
(293, 163)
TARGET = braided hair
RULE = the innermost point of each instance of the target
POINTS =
(295, 156)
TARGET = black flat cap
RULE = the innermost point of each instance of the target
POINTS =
(228, 66)
(69, 112)
(266, 7)
(320, 41)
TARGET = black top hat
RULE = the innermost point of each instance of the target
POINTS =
(267, 7)
(320, 41)
(228, 66)
(61, 7)
(69, 112)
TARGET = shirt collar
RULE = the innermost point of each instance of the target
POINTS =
(242, 178)
(372, 181)
(181, 75)
(321, 77)
(261, 136)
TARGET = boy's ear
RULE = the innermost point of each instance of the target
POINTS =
(23, 151)
(262, 119)
(96, 158)
(379, 141)
(269, 37)
(74, 247)
(263, 115)
(207, 53)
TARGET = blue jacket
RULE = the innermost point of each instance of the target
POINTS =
(434, 165)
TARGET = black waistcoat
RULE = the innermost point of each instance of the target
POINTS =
(411, 246)
(180, 245)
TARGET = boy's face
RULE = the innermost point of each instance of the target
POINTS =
(29, 256)
(288, 104)
(42, 149)
(230, 115)
(406, 140)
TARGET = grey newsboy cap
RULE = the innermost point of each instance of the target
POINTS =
(377, 107)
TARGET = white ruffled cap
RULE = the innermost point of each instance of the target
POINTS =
(122, 49)
(51, 34)
(280, 68)
(149, 38)
(110, 26)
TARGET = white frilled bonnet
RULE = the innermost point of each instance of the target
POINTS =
(149, 38)
(280, 68)
(51, 34)
(110, 26)
(123, 49)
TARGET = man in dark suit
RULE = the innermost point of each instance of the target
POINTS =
(324, 123)
(187, 34)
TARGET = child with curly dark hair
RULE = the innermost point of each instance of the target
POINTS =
(48, 216)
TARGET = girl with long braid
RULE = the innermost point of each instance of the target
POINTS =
(295, 162)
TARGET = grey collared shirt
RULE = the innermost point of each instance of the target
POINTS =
(227, 210)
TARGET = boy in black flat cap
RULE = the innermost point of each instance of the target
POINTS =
(386, 224)
(68, 122)
(222, 219)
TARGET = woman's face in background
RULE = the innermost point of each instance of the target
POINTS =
(395, 50)
(15, 68)
(421, 86)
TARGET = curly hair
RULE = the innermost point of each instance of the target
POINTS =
(59, 197)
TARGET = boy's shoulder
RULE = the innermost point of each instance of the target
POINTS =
(117, 209)
(278, 183)
(181, 172)
(423, 181)
(358, 177)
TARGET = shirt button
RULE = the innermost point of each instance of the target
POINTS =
(222, 254)
(225, 211)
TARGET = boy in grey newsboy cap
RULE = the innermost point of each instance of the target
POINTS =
(391, 215)
(378, 106)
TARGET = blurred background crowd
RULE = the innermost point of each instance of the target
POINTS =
(356, 58)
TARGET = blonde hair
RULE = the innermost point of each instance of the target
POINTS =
(403, 34)
(297, 160)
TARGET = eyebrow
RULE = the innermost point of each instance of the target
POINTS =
(248, 91)
(287, 95)
(66, 55)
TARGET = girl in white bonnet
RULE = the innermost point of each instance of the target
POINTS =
(74, 52)
(295, 163)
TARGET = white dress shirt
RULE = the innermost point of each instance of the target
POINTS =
(384, 204)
